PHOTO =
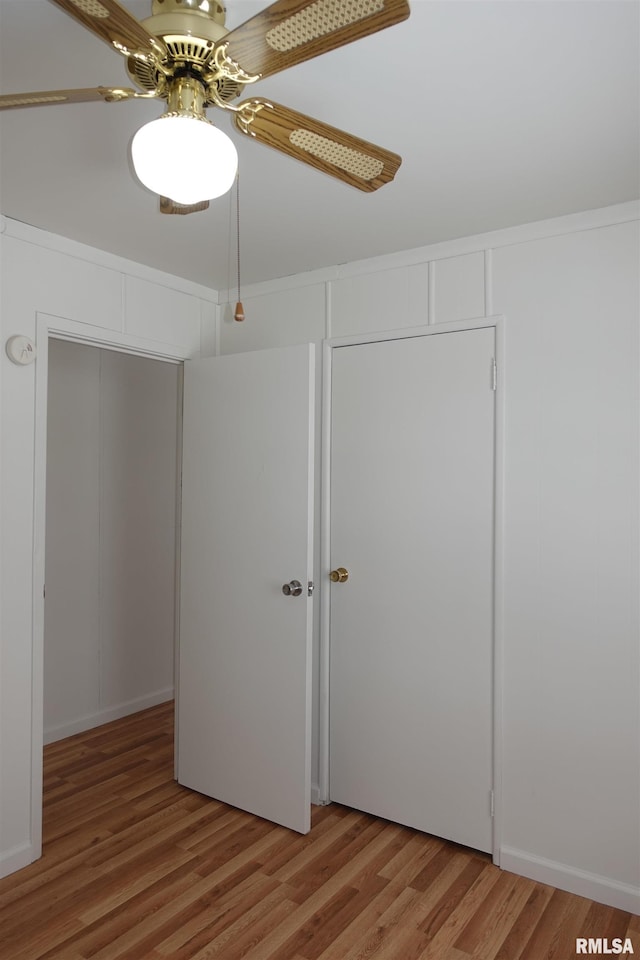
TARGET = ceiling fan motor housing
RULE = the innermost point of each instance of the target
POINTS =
(211, 9)
(189, 29)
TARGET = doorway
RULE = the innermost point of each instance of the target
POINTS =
(111, 535)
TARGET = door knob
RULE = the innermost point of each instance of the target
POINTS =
(339, 575)
(292, 589)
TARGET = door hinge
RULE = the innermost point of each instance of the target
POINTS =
(494, 374)
(44, 591)
(492, 806)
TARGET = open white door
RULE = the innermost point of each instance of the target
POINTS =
(244, 701)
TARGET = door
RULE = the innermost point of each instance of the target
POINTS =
(412, 490)
(244, 705)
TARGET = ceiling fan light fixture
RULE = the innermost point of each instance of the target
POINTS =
(185, 158)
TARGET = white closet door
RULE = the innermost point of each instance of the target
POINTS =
(412, 495)
(244, 709)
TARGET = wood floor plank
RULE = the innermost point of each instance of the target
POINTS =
(461, 914)
(234, 899)
(359, 927)
(542, 942)
(41, 942)
(377, 937)
(295, 853)
(319, 870)
(153, 902)
(488, 926)
(247, 932)
(451, 897)
(525, 922)
(409, 864)
(447, 890)
(255, 898)
(136, 867)
(499, 921)
(324, 929)
(318, 899)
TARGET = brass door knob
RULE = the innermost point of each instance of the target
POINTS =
(339, 575)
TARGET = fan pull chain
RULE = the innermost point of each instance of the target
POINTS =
(239, 311)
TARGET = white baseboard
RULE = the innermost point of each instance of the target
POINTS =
(315, 794)
(17, 858)
(91, 720)
(623, 896)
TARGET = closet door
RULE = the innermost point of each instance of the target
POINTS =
(412, 504)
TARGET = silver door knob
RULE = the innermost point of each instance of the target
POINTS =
(292, 589)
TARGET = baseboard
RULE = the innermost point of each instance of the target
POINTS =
(106, 715)
(623, 896)
(17, 858)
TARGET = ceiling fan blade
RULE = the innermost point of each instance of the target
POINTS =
(355, 161)
(170, 206)
(115, 25)
(44, 98)
(290, 31)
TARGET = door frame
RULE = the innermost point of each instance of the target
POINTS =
(61, 328)
(498, 325)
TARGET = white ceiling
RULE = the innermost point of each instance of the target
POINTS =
(504, 112)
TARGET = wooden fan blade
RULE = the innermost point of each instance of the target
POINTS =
(290, 31)
(44, 98)
(170, 206)
(115, 25)
(355, 161)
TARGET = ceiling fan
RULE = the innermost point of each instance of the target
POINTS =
(184, 54)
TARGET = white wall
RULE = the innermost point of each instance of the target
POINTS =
(52, 283)
(110, 536)
(571, 625)
(569, 628)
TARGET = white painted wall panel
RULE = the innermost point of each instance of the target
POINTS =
(279, 319)
(161, 314)
(76, 289)
(386, 300)
(138, 411)
(72, 612)
(209, 329)
(571, 735)
(458, 288)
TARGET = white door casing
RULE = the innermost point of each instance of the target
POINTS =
(411, 657)
(244, 706)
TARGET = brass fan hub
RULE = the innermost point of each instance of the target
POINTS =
(190, 30)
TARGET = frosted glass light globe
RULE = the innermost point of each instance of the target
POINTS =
(184, 158)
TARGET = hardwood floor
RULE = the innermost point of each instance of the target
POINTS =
(136, 867)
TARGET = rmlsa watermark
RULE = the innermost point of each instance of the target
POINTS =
(604, 946)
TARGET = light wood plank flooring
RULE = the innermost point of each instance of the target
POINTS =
(136, 867)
